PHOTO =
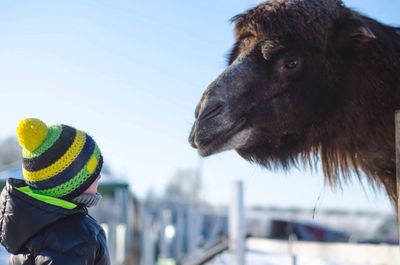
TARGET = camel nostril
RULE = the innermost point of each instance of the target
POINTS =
(210, 112)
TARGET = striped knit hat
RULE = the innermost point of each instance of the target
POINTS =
(58, 161)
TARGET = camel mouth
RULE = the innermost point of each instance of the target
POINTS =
(209, 140)
(223, 140)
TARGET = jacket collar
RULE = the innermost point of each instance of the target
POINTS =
(23, 214)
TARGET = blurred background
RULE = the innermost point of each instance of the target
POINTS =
(130, 73)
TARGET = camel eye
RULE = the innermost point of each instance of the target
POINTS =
(291, 64)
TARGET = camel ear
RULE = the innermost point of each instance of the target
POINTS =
(350, 35)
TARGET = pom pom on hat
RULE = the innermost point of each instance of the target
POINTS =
(31, 133)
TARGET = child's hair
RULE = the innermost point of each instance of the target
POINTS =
(58, 161)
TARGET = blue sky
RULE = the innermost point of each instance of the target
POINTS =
(130, 73)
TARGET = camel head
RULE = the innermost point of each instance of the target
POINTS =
(281, 80)
(306, 78)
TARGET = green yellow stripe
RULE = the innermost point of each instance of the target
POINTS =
(53, 134)
(77, 180)
(61, 164)
(47, 199)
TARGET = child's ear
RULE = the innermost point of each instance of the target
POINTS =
(349, 35)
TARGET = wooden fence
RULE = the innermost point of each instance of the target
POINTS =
(341, 253)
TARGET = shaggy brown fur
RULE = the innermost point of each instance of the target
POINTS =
(307, 79)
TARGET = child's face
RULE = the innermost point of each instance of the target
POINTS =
(93, 188)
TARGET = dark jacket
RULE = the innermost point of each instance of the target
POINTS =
(40, 230)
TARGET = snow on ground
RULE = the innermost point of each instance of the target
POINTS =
(257, 258)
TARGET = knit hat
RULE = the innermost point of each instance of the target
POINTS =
(58, 161)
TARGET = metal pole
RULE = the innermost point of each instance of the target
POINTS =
(397, 126)
(197, 181)
(291, 241)
(193, 232)
(148, 240)
(237, 225)
(194, 213)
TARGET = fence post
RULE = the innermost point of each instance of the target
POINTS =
(291, 241)
(397, 131)
(148, 253)
(237, 225)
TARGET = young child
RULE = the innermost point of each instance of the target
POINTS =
(44, 218)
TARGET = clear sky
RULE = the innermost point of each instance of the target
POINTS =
(130, 73)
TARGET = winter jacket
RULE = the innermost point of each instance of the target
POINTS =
(38, 229)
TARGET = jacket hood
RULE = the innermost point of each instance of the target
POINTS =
(23, 214)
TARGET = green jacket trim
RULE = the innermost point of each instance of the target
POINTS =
(47, 199)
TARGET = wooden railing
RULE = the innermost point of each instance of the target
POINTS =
(342, 253)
